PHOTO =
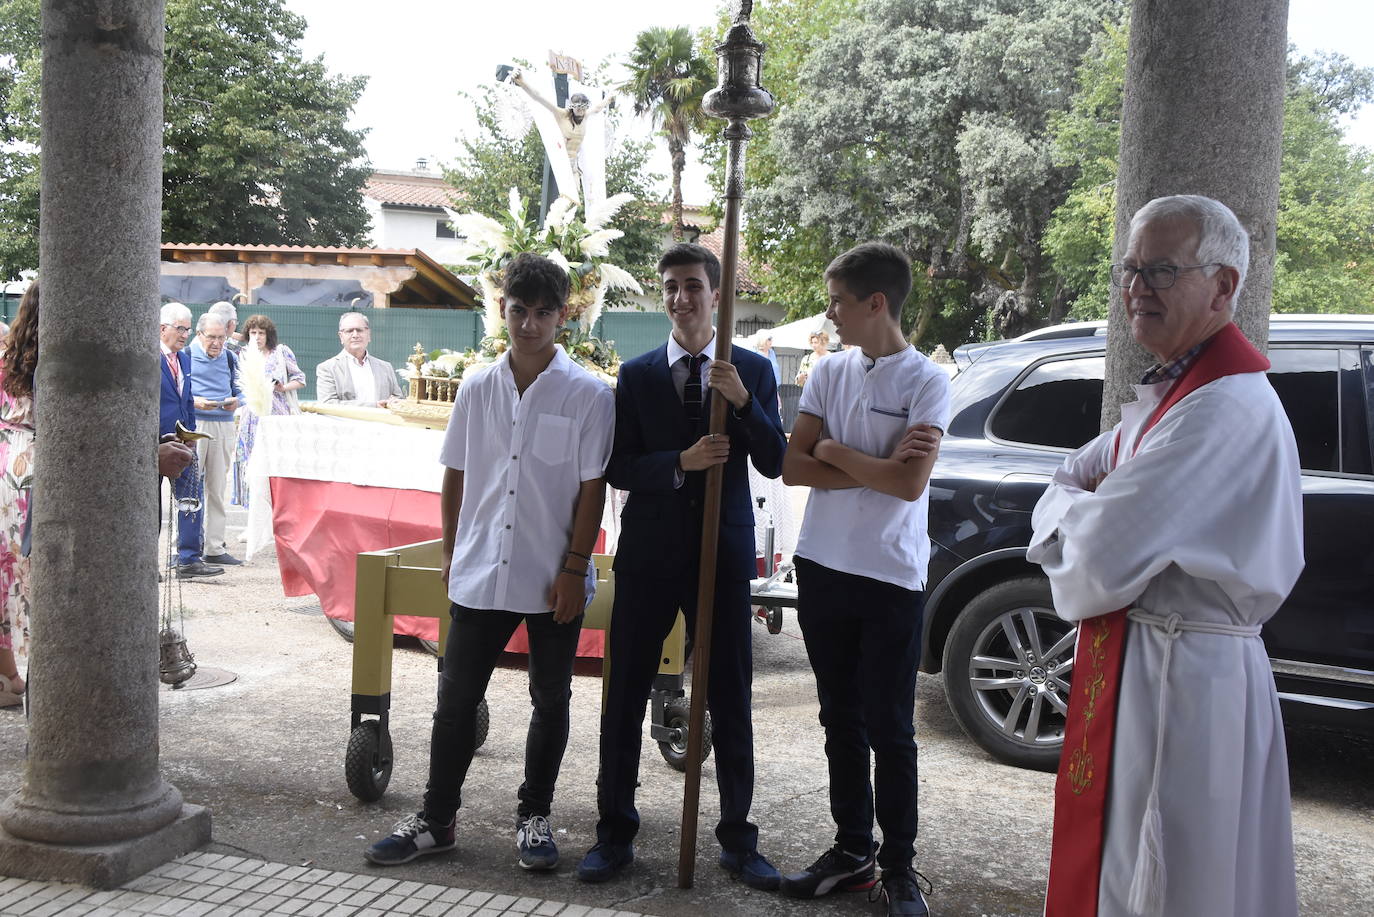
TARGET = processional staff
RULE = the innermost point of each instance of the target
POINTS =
(736, 99)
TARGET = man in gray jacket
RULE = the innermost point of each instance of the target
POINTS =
(355, 376)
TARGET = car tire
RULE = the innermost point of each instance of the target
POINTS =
(1007, 668)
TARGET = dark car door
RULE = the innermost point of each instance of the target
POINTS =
(1329, 617)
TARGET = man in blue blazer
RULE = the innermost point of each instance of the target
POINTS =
(661, 452)
(176, 404)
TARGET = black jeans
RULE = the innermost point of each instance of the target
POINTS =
(863, 638)
(474, 647)
(644, 611)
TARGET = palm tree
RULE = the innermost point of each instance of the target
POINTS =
(668, 80)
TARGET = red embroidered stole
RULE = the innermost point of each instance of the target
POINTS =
(1080, 789)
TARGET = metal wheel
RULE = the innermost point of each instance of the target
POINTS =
(483, 723)
(342, 628)
(367, 762)
(677, 717)
(1008, 670)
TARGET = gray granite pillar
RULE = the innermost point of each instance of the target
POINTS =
(1203, 114)
(94, 808)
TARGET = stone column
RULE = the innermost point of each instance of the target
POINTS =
(94, 808)
(1203, 114)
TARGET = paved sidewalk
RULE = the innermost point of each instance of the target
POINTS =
(211, 885)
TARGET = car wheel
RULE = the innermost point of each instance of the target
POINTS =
(1007, 668)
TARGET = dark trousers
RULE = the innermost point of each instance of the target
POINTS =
(475, 643)
(190, 526)
(863, 638)
(641, 618)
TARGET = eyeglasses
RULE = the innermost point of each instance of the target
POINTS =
(179, 329)
(1155, 276)
(352, 331)
(213, 337)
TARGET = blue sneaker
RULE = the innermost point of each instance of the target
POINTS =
(414, 836)
(605, 860)
(534, 838)
(751, 869)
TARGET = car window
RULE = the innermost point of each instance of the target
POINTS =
(1307, 383)
(1059, 403)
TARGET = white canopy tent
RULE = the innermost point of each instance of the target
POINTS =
(793, 335)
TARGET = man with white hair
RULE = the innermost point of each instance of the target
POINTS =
(215, 387)
(1170, 540)
(230, 316)
(354, 376)
(177, 405)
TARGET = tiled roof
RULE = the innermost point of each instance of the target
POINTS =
(410, 190)
(744, 276)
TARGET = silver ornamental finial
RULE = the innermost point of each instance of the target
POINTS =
(738, 95)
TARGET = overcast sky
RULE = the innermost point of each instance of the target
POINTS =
(418, 53)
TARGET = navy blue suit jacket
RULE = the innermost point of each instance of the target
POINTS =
(174, 407)
(660, 531)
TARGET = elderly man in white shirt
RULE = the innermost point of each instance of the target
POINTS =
(354, 376)
(1170, 540)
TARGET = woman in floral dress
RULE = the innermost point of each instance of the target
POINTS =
(270, 378)
(17, 364)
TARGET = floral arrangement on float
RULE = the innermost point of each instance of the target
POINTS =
(580, 245)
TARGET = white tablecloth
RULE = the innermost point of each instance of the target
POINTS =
(315, 447)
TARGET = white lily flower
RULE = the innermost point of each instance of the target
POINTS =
(617, 278)
(516, 205)
(601, 214)
(598, 244)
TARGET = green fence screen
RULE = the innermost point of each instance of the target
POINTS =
(312, 331)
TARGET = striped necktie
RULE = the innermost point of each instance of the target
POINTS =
(691, 389)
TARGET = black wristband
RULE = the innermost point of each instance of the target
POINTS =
(572, 572)
(741, 413)
(581, 555)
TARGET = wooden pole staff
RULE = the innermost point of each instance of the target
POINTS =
(737, 98)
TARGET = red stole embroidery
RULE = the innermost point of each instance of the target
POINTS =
(1080, 789)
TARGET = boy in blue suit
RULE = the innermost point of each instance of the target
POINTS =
(177, 404)
(661, 452)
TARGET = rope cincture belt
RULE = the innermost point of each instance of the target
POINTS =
(1148, 883)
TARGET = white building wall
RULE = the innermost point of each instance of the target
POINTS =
(413, 229)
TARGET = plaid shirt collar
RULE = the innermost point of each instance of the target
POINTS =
(1165, 372)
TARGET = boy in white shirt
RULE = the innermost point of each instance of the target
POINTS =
(865, 442)
(525, 456)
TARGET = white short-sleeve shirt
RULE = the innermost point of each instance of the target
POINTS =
(867, 405)
(523, 460)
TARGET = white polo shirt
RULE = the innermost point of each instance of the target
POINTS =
(523, 460)
(867, 405)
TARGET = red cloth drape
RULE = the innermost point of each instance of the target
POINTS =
(321, 527)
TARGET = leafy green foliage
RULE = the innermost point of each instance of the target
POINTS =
(668, 79)
(923, 123)
(257, 145)
(1325, 258)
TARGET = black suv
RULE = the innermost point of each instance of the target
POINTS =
(1017, 408)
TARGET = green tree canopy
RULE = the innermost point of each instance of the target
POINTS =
(257, 145)
(493, 161)
(924, 123)
(1325, 238)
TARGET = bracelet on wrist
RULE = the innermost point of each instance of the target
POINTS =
(586, 557)
(577, 573)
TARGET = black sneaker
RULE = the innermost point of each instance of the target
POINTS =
(835, 870)
(534, 838)
(904, 891)
(412, 837)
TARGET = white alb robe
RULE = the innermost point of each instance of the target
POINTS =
(1204, 520)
